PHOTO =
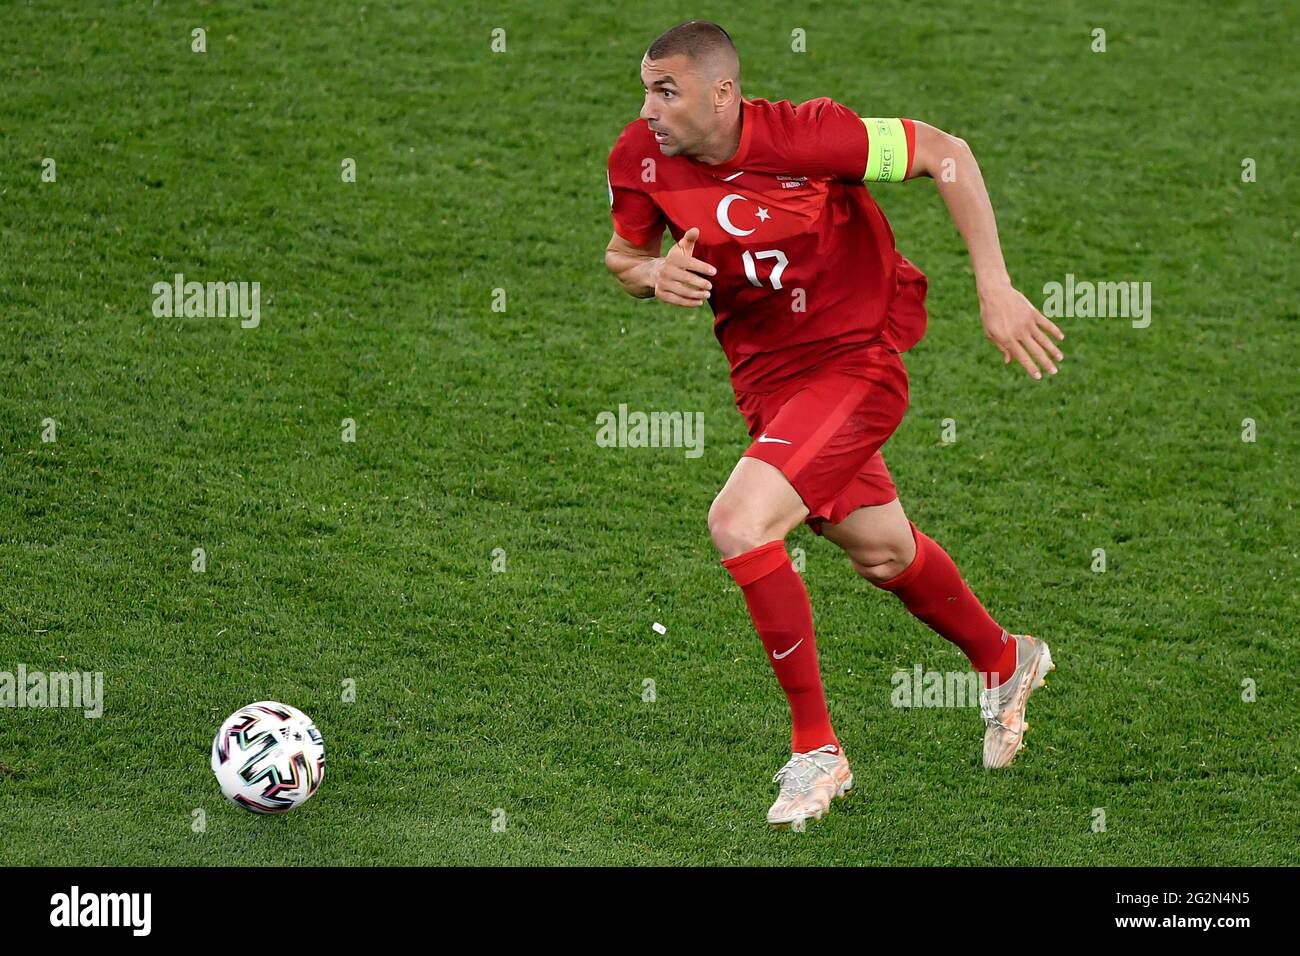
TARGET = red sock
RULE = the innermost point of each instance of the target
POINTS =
(778, 604)
(933, 590)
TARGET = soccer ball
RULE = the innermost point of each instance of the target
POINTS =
(268, 757)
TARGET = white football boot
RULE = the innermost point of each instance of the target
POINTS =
(1003, 707)
(809, 781)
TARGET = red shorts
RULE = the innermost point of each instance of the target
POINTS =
(824, 431)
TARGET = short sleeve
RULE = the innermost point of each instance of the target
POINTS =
(835, 139)
(831, 136)
(636, 217)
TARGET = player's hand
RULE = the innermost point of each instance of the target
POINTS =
(680, 277)
(1019, 330)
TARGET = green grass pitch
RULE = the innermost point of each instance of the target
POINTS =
(371, 561)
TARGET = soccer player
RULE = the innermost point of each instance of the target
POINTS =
(812, 305)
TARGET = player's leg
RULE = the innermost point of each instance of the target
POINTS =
(877, 538)
(756, 505)
(748, 521)
(890, 552)
(893, 554)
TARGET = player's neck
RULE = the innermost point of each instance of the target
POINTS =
(727, 143)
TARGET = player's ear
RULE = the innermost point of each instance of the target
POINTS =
(724, 91)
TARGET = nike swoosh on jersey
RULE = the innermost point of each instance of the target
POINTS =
(763, 439)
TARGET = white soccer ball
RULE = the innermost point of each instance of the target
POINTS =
(268, 757)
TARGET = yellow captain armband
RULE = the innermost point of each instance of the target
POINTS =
(886, 150)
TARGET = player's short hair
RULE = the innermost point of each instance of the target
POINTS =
(702, 41)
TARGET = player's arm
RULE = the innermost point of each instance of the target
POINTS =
(1011, 322)
(677, 278)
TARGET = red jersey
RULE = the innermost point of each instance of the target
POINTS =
(806, 261)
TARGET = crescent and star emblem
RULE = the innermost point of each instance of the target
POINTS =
(724, 219)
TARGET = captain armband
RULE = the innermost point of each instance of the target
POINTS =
(886, 150)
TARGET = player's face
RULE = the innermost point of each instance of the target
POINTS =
(677, 105)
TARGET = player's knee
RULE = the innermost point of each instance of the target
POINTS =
(734, 531)
(879, 562)
(881, 572)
